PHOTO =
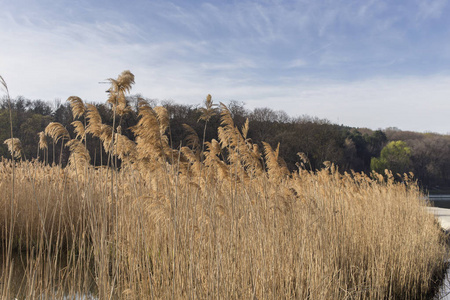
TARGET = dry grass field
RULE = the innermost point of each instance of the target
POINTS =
(211, 220)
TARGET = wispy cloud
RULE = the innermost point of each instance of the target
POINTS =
(341, 59)
(431, 9)
(296, 63)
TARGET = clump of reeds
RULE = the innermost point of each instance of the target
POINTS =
(218, 220)
(14, 146)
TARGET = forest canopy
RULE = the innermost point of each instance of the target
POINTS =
(427, 155)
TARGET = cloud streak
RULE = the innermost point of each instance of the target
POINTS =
(369, 64)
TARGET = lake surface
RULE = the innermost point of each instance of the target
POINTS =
(20, 276)
(442, 201)
(444, 292)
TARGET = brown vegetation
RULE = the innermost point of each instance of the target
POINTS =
(216, 223)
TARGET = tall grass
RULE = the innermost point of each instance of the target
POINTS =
(226, 222)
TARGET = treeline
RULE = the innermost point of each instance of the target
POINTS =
(318, 139)
(430, 156)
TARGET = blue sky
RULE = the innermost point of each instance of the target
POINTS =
(372, 64)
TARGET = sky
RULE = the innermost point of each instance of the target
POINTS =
(373, 64)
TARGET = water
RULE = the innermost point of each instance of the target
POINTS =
(442, 201)
(444, 291)
(22, 274)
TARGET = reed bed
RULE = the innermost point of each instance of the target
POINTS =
(212, 220)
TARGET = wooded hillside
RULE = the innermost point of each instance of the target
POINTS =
(320, 140)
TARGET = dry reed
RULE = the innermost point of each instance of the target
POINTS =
(191, 225)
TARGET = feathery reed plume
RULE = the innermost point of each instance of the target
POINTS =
(241, 152)
(227, 132)
(213, 161)
(163, 118)
(250, 155)
(123, 110)
(94, 121)
(206, 114)
(304, 160)
(56, 131)
(77, 105)
(79, 130)
(43, 145)
(303, 157)
(192, 139)
(105, 136)
(124, 147)
(208, 111)
(125, 81)
(193, 159)
(151, 143)
(256, 152)
(250, 158)
(282, 164)
(245, 128)
(42, 141)
(79, 156)
(214, 147)
(272, 161)
(14, 146)
(118, 88)
(226, 118)
(211, 153)
(223, 137)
